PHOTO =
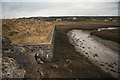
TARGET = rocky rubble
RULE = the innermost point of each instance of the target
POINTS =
(11, 69)
(0, 57)
(10, 66)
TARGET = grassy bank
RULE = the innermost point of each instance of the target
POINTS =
(112, 35)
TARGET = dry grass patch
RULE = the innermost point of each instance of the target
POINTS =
(27, 31)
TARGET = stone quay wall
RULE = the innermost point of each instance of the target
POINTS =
(42, 52)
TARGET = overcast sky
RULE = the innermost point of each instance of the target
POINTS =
(22, 8)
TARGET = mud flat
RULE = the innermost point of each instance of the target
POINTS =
(101, 55)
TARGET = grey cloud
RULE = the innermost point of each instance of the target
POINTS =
(60, 0)
(18, 9)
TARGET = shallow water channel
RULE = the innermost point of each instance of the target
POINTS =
(101, 55)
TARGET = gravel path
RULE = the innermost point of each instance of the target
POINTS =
(98, 53)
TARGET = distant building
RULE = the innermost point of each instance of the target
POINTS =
(58, 19)
(93, 19)
(74, 18)
(105, 20)
(111, 18)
